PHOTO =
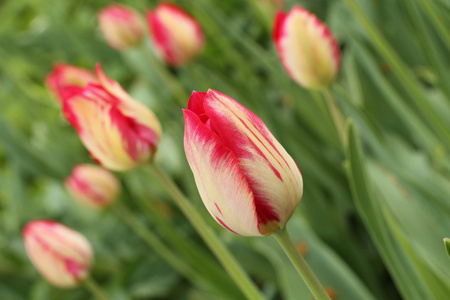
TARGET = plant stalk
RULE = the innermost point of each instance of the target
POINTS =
(95, 289)
(284, 239)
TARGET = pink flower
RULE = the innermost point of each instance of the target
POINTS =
(64, 75)
(247, 181)
(93, 186)
(178, 37)
(122, 26)
(307, 49)
(119, 132)
(62, 255)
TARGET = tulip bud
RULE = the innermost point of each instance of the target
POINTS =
(122, 27)
(93, 186)
(177, 37)
(119, 132)
(64, 75)
(247, 181)
(307, 49)
(62, 255)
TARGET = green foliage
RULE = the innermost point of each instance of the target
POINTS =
(373, 215)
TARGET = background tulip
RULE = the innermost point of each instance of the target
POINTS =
(62, 255)
(119, 132)
(64, 75)
(93, 186)
(177, 37)
(122, 26)
(307, 49)
(246, 179)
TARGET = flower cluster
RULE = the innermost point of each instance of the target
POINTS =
(246, 179)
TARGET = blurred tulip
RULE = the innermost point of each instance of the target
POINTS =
(62, 255)
(122, 26)
(64, 75)
(177, 37)
(246, 179)
(119, 132)
(93, 186)
(307, 49)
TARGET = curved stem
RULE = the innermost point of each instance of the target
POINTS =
(95, 289)
(284, 239)
(336, 114)
(217, 247)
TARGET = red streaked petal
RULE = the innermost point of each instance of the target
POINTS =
(307, 49)
(108, 134)
(221, 184)
(195, 105)
(278, 25)
(271, 173)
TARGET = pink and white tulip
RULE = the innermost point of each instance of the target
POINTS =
(64, 75)
(93, 186)
(177, 37)
(247, 181)
(119, 132)
(122, 26)
(62, 255)
(307, 49)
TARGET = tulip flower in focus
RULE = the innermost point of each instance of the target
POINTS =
(177, 37)
(307, 49)
(246, 179)
(64, 75)
(62, 255)
(122, 26)
(119, 132)
(93, 186)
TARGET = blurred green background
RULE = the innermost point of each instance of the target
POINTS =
(373, 216)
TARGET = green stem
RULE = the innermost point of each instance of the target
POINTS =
(217, 247)
(401, 71)
(95, 289)
(157, 245)
(336, 114)
(284, 239)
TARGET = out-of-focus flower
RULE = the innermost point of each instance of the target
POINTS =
(177, 37)
(247, 181)
(122, 26)
(64, 75)
(62, 255)
(93, 186)
(119, 132)
(307, 49)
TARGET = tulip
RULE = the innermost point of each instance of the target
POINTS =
(62, 255)
(64, 75)
(177, 37)
(119, 132)
(122, 26)
(307, 49)
(247, 181)
(93, 186)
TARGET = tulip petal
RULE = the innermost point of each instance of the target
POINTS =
(220, 181)
(62, 255)
(269, 170)
(307, 49)
(116, 140)
(146, 123)
(177, 36)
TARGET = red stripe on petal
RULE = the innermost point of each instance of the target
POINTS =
(278, 26)
(225, 225)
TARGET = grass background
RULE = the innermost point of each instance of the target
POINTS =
(372, 217)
